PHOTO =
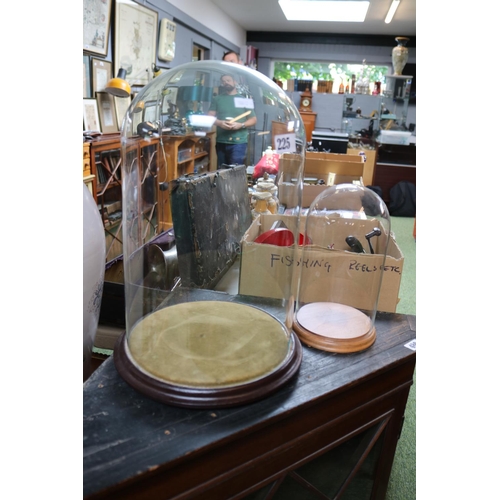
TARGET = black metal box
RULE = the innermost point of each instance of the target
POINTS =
(330, 142)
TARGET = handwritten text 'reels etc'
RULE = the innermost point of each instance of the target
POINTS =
(354, 265)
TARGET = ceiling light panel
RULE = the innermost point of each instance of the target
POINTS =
(343, 11)
(392, 11)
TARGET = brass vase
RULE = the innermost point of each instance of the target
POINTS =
(400, 55)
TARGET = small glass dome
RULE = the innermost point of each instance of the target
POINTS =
(347, 232)
(208, 316)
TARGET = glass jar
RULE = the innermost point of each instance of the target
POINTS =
(261, 203)
(268, 186)
(345, 125)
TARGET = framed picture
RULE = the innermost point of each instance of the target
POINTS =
(136, 120)
(107, 112)
(90, 115)
(149, 113)
(135, 31)
(96, 23)
(87, 89)
(169, 100)
(101, 74)
(121, 105)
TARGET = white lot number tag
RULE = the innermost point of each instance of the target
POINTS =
(284, 143)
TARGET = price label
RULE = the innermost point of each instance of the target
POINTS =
(284, 143)
(412, 345)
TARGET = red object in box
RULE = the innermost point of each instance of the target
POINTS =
(281, 237)
(268, 163)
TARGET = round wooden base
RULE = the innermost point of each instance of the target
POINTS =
(202, 398)
(334, 327)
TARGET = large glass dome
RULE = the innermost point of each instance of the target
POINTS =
(212, 159)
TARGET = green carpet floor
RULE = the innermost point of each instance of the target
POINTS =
(402, 484)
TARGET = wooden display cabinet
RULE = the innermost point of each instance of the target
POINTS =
(88, 177)
(333, 432)
(106, 165)
(161, 161)
(184, 154)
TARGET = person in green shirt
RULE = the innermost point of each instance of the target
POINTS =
(232, 134)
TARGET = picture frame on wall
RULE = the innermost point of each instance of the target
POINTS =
(96, 25)
(91, 115)
(136, 120)
(87, 82)
(107, 112)
(169, 100)
(121, 105)
(101, 74)
(149, 113)
(136, 29)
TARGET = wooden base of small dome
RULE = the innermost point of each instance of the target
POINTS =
(334, 327)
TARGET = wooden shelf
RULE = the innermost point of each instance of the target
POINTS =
(106, 164)
(102, 164)
(172, 145)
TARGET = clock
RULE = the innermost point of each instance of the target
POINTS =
(306, 101)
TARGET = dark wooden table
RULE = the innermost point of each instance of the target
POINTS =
(333, 429)
(394, 163)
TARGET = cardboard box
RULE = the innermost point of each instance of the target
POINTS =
(312, 156)
(347, 169)
(290, 167)
(319, 165)
(267, 270)
(368, 169)
(310, 191)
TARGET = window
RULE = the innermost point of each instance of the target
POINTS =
(338, 73)
(200, 53)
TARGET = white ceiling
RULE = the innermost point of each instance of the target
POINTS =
(266, 15)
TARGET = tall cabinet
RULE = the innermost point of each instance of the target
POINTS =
(309, 119)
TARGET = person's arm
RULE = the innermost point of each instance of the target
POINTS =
(213, 112)
(220, 123)
(249, 122)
